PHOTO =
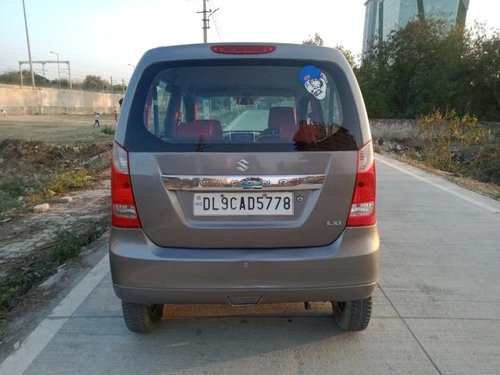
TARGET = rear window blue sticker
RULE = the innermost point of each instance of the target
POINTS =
(314, 80)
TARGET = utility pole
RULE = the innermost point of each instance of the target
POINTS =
(58, 70)
(29, 49)
(21, 72)
(204, 20)
(111, 80)
(421, 10)
(69, 77)
(43, 62)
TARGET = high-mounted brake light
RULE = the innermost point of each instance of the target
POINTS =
(123, 209)
(363, 200)
(243, 49)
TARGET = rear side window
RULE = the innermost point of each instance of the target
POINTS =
(247, 105)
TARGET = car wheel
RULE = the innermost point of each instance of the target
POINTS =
(141, 318)
(353, 315)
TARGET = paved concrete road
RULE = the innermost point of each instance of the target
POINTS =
(437, 307)
(250, 120)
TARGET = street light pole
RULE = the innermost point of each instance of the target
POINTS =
(58, 70)
(29, 48)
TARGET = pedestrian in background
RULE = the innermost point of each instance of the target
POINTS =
(96, 121)
(115, 113)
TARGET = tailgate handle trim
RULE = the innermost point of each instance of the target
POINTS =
(241, 183)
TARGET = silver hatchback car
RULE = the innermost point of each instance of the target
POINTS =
(243, 174)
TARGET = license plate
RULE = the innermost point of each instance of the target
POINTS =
(243, 204)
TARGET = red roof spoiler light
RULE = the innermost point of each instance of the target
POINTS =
(243, 49)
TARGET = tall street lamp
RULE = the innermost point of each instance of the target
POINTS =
(29, 51)
(58, 71)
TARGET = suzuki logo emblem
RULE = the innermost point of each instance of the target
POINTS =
(242, 165)
(252, 183)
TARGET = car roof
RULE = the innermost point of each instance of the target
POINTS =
(204, 51)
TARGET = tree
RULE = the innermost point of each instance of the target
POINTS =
(350, 57)
(425, 66)
(317, 40)
(95, 83)
(64, 83)
(378, 86)
(119, 88)
(13, 78)
(483, 58)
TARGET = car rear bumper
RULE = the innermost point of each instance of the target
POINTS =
(143, 272)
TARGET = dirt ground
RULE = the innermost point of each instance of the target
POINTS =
(33, 148)
(57, 129)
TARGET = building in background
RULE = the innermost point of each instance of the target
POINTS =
(384, 16)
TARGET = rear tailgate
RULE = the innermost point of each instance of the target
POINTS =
(167, 186)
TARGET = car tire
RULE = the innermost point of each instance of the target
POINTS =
(141, 318)
(353, 315)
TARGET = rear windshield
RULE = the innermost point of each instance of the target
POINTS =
(247, 106)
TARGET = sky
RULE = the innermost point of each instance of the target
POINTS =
(108, 37)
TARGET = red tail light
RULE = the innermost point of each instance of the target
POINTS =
(123, 209)
(363, 200)
(243, 49)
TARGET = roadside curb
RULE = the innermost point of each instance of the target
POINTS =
(472, 197)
